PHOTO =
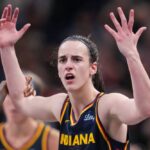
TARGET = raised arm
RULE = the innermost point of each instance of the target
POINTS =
(127, 41)
(37, 107)
(8, 37)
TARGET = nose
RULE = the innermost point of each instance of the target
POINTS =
(69, 65)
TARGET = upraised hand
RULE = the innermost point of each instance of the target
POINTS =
(8, 32)
(124, 36)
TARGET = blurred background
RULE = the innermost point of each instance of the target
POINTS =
(53, 20)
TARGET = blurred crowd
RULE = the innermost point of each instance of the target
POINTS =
(53, 20)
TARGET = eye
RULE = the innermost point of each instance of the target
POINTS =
(62, 60)
(77, 59)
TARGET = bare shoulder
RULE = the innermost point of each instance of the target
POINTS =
(55, 103)
(107, 102)
(112, 97)
(58, 98)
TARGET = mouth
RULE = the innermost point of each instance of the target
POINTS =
(69, 77)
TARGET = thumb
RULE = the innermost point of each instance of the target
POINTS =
(24, 29)
(139, 32)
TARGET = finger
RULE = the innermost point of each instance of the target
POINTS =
(28, 79)
(131, 20)
(111, 31)
(123, 18)
(24, 29)
(30, 92)
(9, 12)
(15, 15)
(26, 95)
(5, 11)
(115, 22)
(2, 21)
(27, 88)
(139, 32)
(24, 92)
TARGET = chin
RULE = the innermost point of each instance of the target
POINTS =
(72, 89)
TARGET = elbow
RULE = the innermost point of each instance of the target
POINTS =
(145, 111)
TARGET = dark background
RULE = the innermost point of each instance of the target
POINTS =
(53, 20)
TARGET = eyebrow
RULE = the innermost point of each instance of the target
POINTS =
(71, 56)
(61, 57)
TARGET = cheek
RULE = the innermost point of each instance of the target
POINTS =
(84, 71)
(60, 70)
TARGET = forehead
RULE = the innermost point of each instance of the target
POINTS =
(73, 48)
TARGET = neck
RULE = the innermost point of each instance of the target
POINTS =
(81, 98)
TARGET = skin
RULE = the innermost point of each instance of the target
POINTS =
(11, 112)
(78, 65)
(115, 110)
(17, 126)
(4, 90)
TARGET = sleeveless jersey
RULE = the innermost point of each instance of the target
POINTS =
(86, 134)
(39, 140)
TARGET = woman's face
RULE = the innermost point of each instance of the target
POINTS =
(74, 68)
(11, 113)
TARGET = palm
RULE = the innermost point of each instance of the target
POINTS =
(126, 41)
(8, 33)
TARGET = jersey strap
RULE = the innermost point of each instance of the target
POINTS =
(64, 109)
(25, 146)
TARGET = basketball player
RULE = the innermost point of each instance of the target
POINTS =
(89, 119)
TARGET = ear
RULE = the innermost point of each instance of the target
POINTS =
(93, 68)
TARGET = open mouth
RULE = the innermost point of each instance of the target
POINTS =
(69, 76)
